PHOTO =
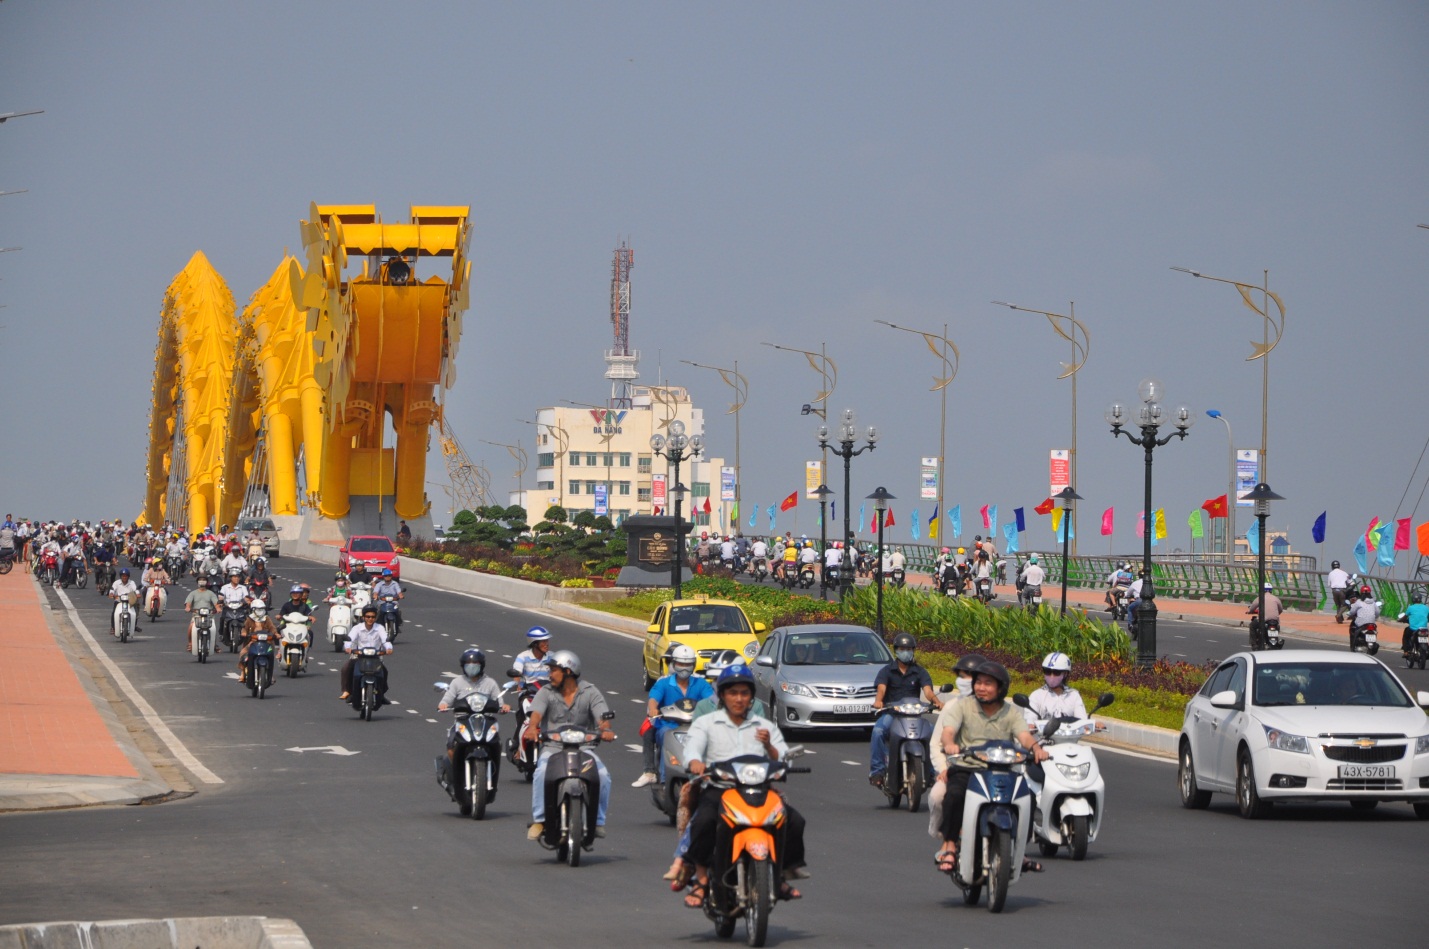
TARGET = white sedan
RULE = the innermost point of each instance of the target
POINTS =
(1305, 725)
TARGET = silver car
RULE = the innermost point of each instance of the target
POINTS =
(820, 675)
(265, 529)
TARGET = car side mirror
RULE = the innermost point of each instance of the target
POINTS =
(760, 628)
(1020, 701)
(1226, 699)
(765, 661)
(1422, 698)
(1104, 700)
(653, 629)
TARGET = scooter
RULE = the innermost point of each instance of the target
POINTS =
(260, 665)
(1118, 604)
(1264, 635)
(339, 621)
(231, 626)
(909, 769)
(296, 631)
(104, 576)
(390, 616)
(523, 752)
(759, 570)
(1029, 595)
(1364, 638)
(1071, 793)
(744, 875)
(572, 794)
(996, 814)
(203, 634)
(982, 587)
(156, 600)
(1417, 651)
(665, 794)
(806, 576)
(361, 593)
(898, 577)
(368, 673)
(125, 617)
(469, 774)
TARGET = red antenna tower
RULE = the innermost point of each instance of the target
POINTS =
(620, 361)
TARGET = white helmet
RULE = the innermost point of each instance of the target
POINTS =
(683, 655)
(1057, 662)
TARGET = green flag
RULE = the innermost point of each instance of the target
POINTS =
(1197, 530)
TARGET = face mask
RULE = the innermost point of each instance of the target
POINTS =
(683, 672)
(905, 655)
(472, 669)
(965, 685)
(1054, 681)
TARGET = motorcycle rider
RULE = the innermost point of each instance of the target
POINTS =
(202, 598)
(758, 551)
(789, 560)
(387, 586)
(1338, 581)
(1132, 597)
(726, 552)
(472, 681)
(964, 669)
(534, 665)
(983, 716)
(1363, 611)
(1055, 697)
(258, 578)
(1032, 574)
(1416, 617)
(899, 681)
(155, 575)
(368, 633)
(942, 570)
(667, 690)
(73, 562)
(1117, 583)
(1273, 608)
(728, 733)
(121, 588)
(258, 621)
(234, 560)
(566, 702)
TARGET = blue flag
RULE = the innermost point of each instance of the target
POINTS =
(1318, 531)
(1361, 551)
(1021, 524)
(770, 512)
(1252, 537)
(992, 520)
(1009, 531)
(753, 514)
(956, 516)
(914, 526)
(862, 518)
(1386, 555)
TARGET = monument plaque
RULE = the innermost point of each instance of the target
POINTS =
(657, 548)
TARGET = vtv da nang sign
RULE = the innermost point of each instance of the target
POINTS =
(607, 421)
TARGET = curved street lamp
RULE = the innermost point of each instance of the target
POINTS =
(940, 346)
(848, 435)
(740, 385)
(880, 498)
(1230, 490)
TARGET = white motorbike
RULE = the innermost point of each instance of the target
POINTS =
(156, 600)
(125, 617)
(294, 643)
(1071, 796)
(361, 596)
(339, 621)
(996, 814)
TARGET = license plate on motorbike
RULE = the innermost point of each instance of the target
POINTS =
(853, 709)
(1383, 771)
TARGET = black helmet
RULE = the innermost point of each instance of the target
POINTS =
(969, 663)
(904, 641)
(472, 655)
(998, 672)
(1334, 565)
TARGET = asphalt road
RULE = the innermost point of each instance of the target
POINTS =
(366, 850)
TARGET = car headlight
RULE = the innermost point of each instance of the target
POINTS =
(794, 688)
(750, 648)
(1075, 772)
(1421, 745)
(1284, 741)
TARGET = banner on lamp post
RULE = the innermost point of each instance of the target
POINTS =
(602, 501)
(726, 483)
(928, 479)
(813, 477)
(1059, 470)
(658, 497)
(1247, 473)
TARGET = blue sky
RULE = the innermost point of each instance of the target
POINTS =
(785, 173)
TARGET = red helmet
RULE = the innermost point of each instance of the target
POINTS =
(1366, 590)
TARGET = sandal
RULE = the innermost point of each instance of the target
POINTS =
(787, 892)
(696, 897)
(947, 860)
(1031, 866)
(677, 870)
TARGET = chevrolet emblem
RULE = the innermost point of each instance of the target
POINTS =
(1365, 743)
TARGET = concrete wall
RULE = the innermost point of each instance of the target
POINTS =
(210, 932)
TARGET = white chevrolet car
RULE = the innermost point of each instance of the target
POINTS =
(1305, 725)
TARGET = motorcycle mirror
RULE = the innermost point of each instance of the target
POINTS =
(513, 673)
(794, 752)
(1051, 727)
(1105, 699)
(1020, 700)
(439, 686)
(947, 687)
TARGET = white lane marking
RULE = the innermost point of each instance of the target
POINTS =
(231, 675)
(503, 655)
(854, 763)
(432, 720)
(411, 711)
(444, 635)
(1135, 754)
(179, 750)
(611, 692)
(1213, 640)
(637, 701)
(327, 750)
(635, 748)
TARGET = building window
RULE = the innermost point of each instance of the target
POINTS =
(702, 519)
(642, 495)
(700, 489)
(575, 488)
(590, 487)
(546, 459)
(609, 459)
(624, 487)
(590, 459)
(575, 457)
(625, 459)
(644, 464)
(545, 485)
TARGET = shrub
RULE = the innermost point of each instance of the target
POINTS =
(576, 582)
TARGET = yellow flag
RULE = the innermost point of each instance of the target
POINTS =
(1057, 521)
(1160, 524)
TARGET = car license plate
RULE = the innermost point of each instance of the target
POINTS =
(374, 568)
(852, 709)
(1366, 771)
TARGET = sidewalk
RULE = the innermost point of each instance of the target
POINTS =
(61, 744)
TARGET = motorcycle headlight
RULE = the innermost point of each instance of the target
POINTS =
(755, 772)
(1421, 745)
(999, 755)
(1284, 741)
(1075, 772)
(794, 688)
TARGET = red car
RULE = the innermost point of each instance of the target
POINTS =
(372, 552)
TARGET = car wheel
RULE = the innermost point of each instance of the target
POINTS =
(1248, 799)
(646, 682)
(1192, 797)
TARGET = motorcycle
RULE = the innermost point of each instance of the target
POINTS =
(390, 616)
(523, 752)
(361, 593)
(259, 669)
(833, 577)
(1029, 595)
(909, 769)
(104, 576)
(230, 630)
(7, 560)
(749, 836)
(806, 576)
(174, 565)
(1264, 635)
(665, 794)
(898, 577)
(982, 588)
(759, 570)
(156, 600)
(295, 636)
(1071, 793)
(49, 567)
(996, 814)
(1118, 604)
(1417, 650)
(368, 672)
(339, 621)
(1364, 638)
(203, 634)
(72, 570)
(125, 617)
(572, 794)
(476, 752)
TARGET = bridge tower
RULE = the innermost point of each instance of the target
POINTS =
(620, 361)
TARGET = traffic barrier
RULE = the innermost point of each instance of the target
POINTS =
(210, 932)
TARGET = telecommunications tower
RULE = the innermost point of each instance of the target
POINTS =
(620, 361)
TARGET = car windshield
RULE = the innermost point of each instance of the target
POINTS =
(1327, 683)
(371, 545)
(708, 618)
(253, 524)
(835, 649)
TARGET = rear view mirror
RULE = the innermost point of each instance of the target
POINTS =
(653, 629)
(760, 627)
(513, 673)
(1226, 699)
(1422, 698)
(947, 687)
(765, 661)
(1020, 701)
(1104, 700)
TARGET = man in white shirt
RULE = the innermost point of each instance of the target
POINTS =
(368, 634)
(1032, 575)
(1338, 582)
(234, 561)
(118, 590)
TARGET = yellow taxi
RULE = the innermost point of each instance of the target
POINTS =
(707, 626)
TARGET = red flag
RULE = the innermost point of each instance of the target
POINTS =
(1106, 522)
(707, 505)
(1044, 508)
(986, 524)
(1371, 536)
(888, 518)
(873, 523)
(790, 501)
(1401, 534)
(1423, 532)
(1218, 507)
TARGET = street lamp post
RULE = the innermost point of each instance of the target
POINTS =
(1262, 496)
(1230, 490)
(848, 434)
(880, 498)
(819, 404)
(823, 492)
(674, 450)
(740, 385)
(1149, 419)
(940, 347)
(1066, 496)
(518, 455)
